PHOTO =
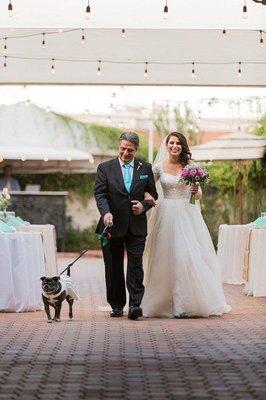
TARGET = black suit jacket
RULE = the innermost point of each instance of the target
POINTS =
(112, 197)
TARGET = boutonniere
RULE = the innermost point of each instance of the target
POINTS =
(140, 165)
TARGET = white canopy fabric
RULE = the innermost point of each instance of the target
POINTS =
(193, 33)
(36, 141)
(238, 146)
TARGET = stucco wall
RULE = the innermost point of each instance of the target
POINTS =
(82, 216)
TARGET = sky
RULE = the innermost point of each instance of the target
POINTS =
(100, 99)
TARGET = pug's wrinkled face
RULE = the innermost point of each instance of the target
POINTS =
(50, 285)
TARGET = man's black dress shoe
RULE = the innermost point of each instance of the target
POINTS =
(116, 312)
(134, 312)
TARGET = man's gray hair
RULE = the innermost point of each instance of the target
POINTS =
(130, 137)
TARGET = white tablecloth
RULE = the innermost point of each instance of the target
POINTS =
(231, 249)
(49, 243)
(21, 266)
(232, 243)
(256, 284)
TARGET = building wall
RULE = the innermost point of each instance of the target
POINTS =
(82, 216)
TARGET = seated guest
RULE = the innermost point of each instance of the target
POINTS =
(7, 180)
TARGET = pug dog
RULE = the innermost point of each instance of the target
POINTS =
(54, 291)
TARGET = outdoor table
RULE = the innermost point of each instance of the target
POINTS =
(233, 243)
(49, 244)
(256, 273)
(231, 249)
(21, 266)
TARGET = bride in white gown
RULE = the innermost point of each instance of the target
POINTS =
(181, 272)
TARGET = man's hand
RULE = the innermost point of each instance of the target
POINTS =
(137, 207)
(149, 199)
(108, 219)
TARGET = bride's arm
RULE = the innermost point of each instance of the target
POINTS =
(196, 190)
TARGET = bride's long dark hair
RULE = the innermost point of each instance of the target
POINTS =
(185, 155)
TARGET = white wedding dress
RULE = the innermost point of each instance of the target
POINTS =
(181, 272)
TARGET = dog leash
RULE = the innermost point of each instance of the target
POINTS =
(102, 238)
(73, 262)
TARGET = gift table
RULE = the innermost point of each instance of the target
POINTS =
(21, 266)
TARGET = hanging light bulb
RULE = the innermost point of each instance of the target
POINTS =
(53, 66)
(12, 29)
(82, 37)
(146, 70)
(239, 69)
(60, 30)
(224, 33)
(261, 39)
(193, 74)
(123, 33)
(245, 10)
(165, 10)
(5, 64)
(48, 109)
(88, 11)
(99, 68)
(10, 9)
(43, 41)
(23, 158)
(5, 46)
(27, 102)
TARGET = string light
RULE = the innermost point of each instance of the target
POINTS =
(43, 41)
(82, 36)
(45, 159)
(123, 33)
(88, 11)
(193, 74)
(99, 68)
(53, 66)
(23, 158)
(10, 9)
(5, 46)
(60, 30)
(224, 33)
(5, 64)
(239, 69)
(146, 70)
(165, 10)
(261, 39)
(245, 10)
(12, 29)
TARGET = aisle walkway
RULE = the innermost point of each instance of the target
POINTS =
(95, 357)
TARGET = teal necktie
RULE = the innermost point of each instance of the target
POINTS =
(127, 177)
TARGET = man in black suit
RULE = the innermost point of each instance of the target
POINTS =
(119, 192)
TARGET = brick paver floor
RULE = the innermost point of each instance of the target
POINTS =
(96, 357)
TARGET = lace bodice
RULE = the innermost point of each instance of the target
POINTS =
(172, 186)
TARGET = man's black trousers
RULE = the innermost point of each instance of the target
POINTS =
(113, 255)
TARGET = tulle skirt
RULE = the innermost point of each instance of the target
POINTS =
(181, 271)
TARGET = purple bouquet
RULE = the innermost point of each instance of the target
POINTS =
(194, 174)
